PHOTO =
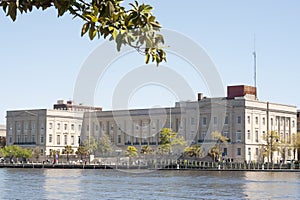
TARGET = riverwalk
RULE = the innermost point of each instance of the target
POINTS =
(184, 165)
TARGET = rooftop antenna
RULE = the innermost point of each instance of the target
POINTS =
(254, 57)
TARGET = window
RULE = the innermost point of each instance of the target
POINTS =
(256, 136)
(33, 138)
(256, 120)
(225, 152)
(79, 127)
(239, 119)
(87, 127)
(42, 138)
(264, 135)
(33, 125)
(264, 121)
(238, 136)
(204, 121)
(256, 151)
(248, 119)
(10, 139)
(293, 124)
(248, 135)
(65, 127)
(58, 139)
(192, 121)
(72, 140)
(50, 138)
(215, 120)
(72, 127)
(97, 127)
(226, 134)
(239, 152)
(226, 120)
(119, 139)
(249, 151)
(50, 125)
(65, 139)
(271, 121)
(58, 126)
(25, 138)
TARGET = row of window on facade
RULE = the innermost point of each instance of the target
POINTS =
(50, 139)
(239, 121)
(65, 126)
(33, 126)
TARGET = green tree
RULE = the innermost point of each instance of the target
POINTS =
(91, 144)
(36, 153)
(170, 139)
(105, 146)
(147, 150)
(82, 151)
(131, 151)
(68, 150)
(272, 145)
(136, 26)
(194, 151)
(215, 152)
(17, 152)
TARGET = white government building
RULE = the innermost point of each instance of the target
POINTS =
(48, 129)
(240, 116)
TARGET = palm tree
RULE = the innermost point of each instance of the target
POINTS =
(82, 151)
(194, 151)
(146, 150)
(68, 150)
(131, 152)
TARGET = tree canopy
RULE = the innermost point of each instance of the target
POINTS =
(136, 27)
(168, 139)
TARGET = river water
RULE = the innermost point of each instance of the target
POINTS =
(112, 184)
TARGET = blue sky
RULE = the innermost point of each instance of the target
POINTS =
(41, 55)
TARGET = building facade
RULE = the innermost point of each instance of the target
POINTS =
(48, 129)
(241, 117)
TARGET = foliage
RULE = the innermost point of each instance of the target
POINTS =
(272, 145)
(194, 151)
(15, 151)
(131, 151)
(215, 152)
(36, 153)
(91, 145)
(105, 146)
(82, 151)
(146, 150)
(135, 27)
(169, 139)
(68, 150)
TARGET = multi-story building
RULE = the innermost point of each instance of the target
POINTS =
(240, 116)
(48, 129)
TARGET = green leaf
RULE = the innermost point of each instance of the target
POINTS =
(85, 28)
(147, 57)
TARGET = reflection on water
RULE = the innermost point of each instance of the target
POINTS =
(109, 184)
(61, 182)
(268, 185)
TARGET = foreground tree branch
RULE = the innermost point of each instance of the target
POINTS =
(136, 27)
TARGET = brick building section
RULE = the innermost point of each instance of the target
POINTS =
(240, 91)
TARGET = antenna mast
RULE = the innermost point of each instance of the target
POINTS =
(254, 57)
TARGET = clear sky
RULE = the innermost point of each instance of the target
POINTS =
(41, 55)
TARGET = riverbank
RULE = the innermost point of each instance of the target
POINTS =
(212, 167)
